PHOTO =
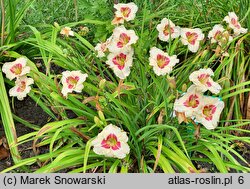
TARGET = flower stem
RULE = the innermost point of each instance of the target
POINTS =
(197, 130)
(76, 10)
(118, 89)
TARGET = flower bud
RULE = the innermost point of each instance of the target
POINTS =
(102, 84)
(171, 82)
(97, 121)
(184, 87)
(56, 25)
(101, 115)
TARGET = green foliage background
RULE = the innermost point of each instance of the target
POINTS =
(167, 147)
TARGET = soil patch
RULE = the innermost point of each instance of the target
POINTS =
(31, 112)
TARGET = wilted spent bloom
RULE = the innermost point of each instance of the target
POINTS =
(72, 81)
(111, 142)
(202, 79)
(121, 62)
(233, 23)
(21, 88)
(16, 68)
(124, 12)
(209, 114)
(102, 47)
(117, 20)
(67, 31)
(190, 102)
(192, 38)
(122, 39)
(181, 117)
(219, 35)
(162, 63)
(167, 30)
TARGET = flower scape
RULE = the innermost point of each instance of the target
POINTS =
(153, 94)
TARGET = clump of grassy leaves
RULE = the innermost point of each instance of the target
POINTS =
(144, 108)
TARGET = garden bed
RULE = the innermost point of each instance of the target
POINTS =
(145, 87)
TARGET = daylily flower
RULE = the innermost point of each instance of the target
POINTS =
(190, 102)
(202, 79)
(121, 62)
(16, 69)
(67, 31)
(191, 38)
(72, 81)
(21, 88)
(220, 35)
(122, 39)
(111, 142)
(167, 30)
(162, 63)
(101, 48)
(209, 114)
(126, 11)
(233, 22)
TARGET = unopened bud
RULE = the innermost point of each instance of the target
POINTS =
(97, 121)
(171, 82)
(184, 87)
(204, 53)
(102, 84)
(56, 25)
(101, 115)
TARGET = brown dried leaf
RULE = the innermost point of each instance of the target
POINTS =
(4, 151)
(98, 106)
(218, 51)
(248, 107)
(160, 117)
(89, 99)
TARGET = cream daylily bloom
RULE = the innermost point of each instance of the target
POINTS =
(111, 142)
(121, 62)
(102, 47)
(192, 38)
(209, 114)
(167, 30)
(21, 88)
(233, 23)
(72, 81)
(202, 79)
(122, 39)
(67, 31)
(16, 68)
(126, 11)
(219, 35)
(162, 63)
(190, 102)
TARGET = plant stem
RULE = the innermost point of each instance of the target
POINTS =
(76, 10)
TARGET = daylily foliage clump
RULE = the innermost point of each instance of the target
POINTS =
(196, 102)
